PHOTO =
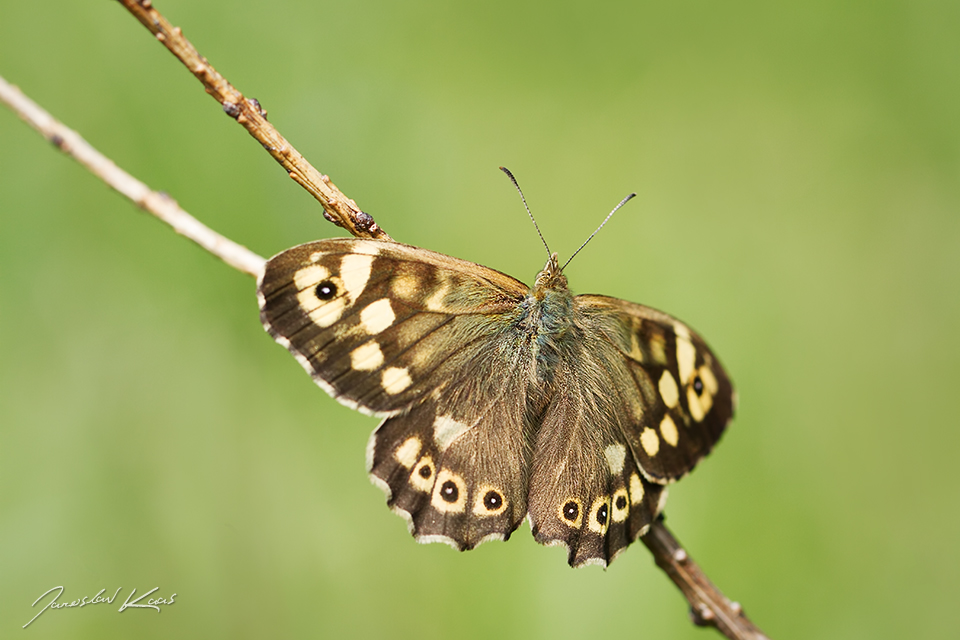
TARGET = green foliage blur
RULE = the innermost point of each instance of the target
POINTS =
(798, 172)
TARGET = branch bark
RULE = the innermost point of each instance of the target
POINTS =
(337, 208)
(708, 605)
(159, 204)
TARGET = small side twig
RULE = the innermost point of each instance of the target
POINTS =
(708, 606)
(160, 205)
(337, 208)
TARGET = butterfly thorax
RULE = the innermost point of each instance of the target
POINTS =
(548, 319)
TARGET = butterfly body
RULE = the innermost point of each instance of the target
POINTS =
(500, 401)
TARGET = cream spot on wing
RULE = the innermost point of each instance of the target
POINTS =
(422, 476)
(489, 502)
(406, 454)
(446, 430)
(355, 271)
(668, 390)
(701, 404)
(620, 505)
(315, 256)
(599, 515)
(570, 512)
(669, 431)
(449, 493)
(709, 380)
(435, 301)
(658, 348)
(616, 454)
(681, 330)
(326, 313)
(395, 380)
(686, 357)
(405, 286)
(366, 248)
(366, 357)
(635, 352)
(377, 316)
(636, 489)
(309, 277)
(650, 441)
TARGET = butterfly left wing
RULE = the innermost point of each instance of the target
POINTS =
(426, 341)
(379, 325)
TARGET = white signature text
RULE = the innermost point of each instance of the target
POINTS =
(129, 603)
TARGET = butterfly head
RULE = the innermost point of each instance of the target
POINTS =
(550, 279)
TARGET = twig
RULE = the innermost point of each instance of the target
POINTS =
(160, 205)
(338, 208)
(708, 606)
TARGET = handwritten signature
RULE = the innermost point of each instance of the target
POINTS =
(152, 603)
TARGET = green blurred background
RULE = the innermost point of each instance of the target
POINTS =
(798, 171)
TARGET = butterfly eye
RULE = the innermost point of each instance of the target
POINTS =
(571, 511)
(326, 290)
(425, 472)
(492, 500)
(621, 503)
(449, 491)
(698, 385)
(602, 514)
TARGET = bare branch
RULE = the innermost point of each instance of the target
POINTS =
(338, 208)
(158, 204)
(708, 606)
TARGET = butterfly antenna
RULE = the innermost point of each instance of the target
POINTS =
(530, 213)
(609, 215)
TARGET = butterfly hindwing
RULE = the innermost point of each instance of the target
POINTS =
(458, 470)
(586, 490)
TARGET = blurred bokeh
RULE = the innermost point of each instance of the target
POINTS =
(798, 172)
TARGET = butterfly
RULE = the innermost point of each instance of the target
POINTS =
(500, 401)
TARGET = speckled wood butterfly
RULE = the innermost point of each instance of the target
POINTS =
(500, 401)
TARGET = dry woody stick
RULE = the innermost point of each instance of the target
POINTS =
(160, 205)
(337, 208)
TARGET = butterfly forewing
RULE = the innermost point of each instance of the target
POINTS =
(678, 393)
(374, 323)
